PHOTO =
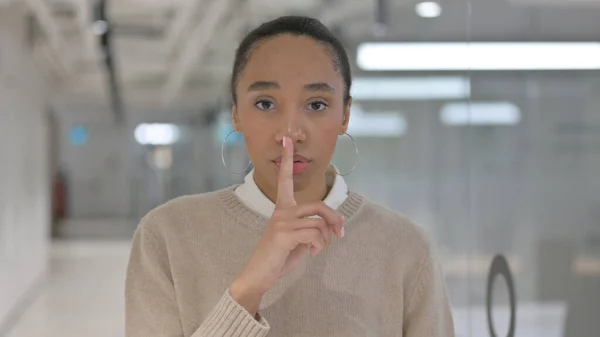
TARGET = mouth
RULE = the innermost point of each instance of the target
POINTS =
(300, 163)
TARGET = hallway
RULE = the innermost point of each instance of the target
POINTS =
(107, 112)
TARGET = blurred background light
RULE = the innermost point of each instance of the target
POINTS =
(411, 88)
(157, 134)
(78, 135)
(100, 27)
(376, 124)
(479, 56)
(428, 9)
(480, 113)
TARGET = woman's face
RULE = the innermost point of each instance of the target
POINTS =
(290, 87)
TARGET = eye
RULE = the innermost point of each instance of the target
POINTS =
(317, 106)
(264, 105)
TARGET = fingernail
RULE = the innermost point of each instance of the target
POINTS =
(284, 142)
(343, 231)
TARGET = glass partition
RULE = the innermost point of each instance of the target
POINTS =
(533, 161)
(489, 137)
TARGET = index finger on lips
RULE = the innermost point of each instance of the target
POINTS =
(285, 182)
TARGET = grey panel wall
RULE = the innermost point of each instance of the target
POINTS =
(98, 173)
(111, 177)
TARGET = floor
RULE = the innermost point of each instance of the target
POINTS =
(82, 295)
(98, 229)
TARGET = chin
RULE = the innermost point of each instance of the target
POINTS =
(304, 179)
(301, 181)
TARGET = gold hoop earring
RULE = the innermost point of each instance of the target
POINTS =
(223, 156)
(355, 157)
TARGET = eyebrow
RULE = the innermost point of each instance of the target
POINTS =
(319, 86)
(263, 85)
(266, 85)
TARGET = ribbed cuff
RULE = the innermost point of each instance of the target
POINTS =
(230, 319)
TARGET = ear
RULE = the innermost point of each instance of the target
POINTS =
(235, 118)
(346, 119)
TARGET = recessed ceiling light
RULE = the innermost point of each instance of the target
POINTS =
(428, 9)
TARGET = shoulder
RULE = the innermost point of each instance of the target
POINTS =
(394, 225)
(394, 237)
(404, 243)
(181, 212)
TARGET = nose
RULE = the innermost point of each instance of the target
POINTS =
(291, 124)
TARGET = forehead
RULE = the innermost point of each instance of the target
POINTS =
(295, 60)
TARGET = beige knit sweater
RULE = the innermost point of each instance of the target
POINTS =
(381, 279)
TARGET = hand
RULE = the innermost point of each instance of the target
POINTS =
(290, 233)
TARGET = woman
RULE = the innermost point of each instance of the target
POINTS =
(261, 258)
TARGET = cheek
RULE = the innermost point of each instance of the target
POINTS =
(255, 140)
(251, 142)
(328, 139)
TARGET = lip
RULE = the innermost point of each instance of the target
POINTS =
(300, 163)
(297, 159)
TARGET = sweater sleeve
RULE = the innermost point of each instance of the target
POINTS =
(428, 311)
(230, 319)
(151, 308)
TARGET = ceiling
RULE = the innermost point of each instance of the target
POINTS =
(176, 55)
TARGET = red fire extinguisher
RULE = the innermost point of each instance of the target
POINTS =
(59, 197)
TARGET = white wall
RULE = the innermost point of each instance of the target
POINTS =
(24, 168)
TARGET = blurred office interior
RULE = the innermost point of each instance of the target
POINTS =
(479, 119)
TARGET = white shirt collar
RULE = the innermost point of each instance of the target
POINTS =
(254, 198)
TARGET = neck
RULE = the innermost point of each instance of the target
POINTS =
(317, 189)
